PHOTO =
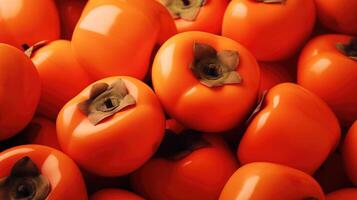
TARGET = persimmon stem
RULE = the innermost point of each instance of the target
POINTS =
(349, 49)
(186, 2)
(106, 100)
(185, 9)
(214, 68)
(24, 182)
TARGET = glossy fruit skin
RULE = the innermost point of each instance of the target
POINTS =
(264, 181)
(19, 90)
(69, 11)
(339, 16)
(114, 194)
(343, 194)
(271, 32)
(190, 178)
(123, 44)
(294, 128)
(349, 150)
(28, 22)
(62, 77)
(208, 20)
(193, 104)
(324, 70)
(64, 175)
(272, 74)
(44, 134)
(123, 142)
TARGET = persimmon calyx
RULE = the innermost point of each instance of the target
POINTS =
(349, 49)
(272, 1)
(185, 9)
(25, 182)
(176, 146)
(30, 50)
(215, 69)
(106, 100)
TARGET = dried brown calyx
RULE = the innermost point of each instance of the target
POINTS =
(349, 49)
(272, 1)
(184, 9)
(176, 146)
(106, 100)
(214, 68)
(30, 50)
(24, 183)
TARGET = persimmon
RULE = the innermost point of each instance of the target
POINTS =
(69, 11)
(271, 181)
(294, 127)
(201, 78)
(19, 90)
(197, 15)
(343, 194)
(62, 77)
(271, 30)
(339, 16)
(117, 37)
(39, 172)
(28, 22)
(328, 67)
(188, 166)
(117, 121)
(349, 150)
(41, 131)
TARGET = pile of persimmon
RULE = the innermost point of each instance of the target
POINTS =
(178, 99)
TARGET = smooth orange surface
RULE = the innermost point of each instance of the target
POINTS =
(344, 194)
(192, 103)
(271, 32)
(117, 37)
(62, 77)
(267, 181)
(208, 20)
(46, 135)
(324, 70)
(19, 90)
(64, 176)
(114, 194)
(200, 175)
(271, 74)
(339, 16)
(69, 11)
(294, 128)
(350, 153)
(120, 144)
(28, 22)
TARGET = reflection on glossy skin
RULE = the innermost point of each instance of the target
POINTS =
(117, 37)
(267, 181)
(330, 74)
(271, 32)
(62, 173)
(28, 22)
(123, 141)
(295, 128)
(190, 102)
